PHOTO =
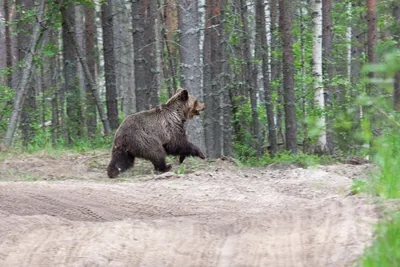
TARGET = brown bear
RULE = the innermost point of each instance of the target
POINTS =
(154, 134)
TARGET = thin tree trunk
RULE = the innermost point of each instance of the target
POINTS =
(343, 95)
(328, 68)
(372, 40)
(285, 27)
(43, 89)
(357, 48)
(262, 47)
(72, 90)
(304, 103)
(92, 86)
(190, 67)
(109, 63)
(29, 108)
(170, 21)
(372, 37)
(251, 80)
(9, 62)
(36, 37)
(170, 71)
(54, 96)
(396, 93)
(90, 31)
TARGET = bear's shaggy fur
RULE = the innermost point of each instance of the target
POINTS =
(154, 134)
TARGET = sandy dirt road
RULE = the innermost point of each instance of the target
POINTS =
(219, 216)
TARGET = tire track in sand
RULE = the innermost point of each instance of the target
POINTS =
(195, 222)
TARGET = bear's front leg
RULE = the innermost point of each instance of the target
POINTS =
(188, 149)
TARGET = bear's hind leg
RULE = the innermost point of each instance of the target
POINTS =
(157, 156)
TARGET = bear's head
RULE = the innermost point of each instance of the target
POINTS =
(189, 104)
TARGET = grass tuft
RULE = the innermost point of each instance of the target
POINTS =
(302, 160)
(385, 251)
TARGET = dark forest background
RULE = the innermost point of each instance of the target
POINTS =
(301, 76)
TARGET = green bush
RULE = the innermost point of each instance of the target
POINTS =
(385, 251)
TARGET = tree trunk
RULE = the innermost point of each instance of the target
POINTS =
(213, 76)
(170, 21)
(342, 97)
(319, 102)
(124, 57)
(357, 48)
(80, 38)
(72, 90)
(36, 37)
(90, 38)
(29, 108)
(396, 93)
(144, 15)
(109, 63)
(190, 67)
(262, 52)
(92, 86)
(372, 37)
(285, 27)
(328, 68)
(8, 43)
(250, 78)
(54, 96)
(276, 66)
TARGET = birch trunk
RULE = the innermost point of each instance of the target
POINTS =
(319, 102)
(262, 50)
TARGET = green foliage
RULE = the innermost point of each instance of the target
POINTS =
(385, 251)
(181, 169)
(243, 145)
(303, 160)
(163, 95)
(380, 117)
(7, 96)
(387, 182)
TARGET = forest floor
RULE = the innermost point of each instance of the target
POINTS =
(62, 210)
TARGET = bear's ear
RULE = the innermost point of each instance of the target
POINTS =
(183, 95)
(178, 90)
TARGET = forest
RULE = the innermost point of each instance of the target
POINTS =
(300, 132)
(315, 77)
